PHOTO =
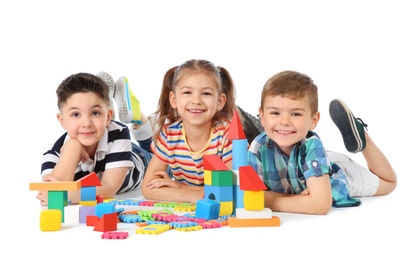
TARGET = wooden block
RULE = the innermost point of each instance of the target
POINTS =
(254, 222)
(55, 186)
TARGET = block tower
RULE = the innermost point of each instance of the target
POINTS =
(248, 187)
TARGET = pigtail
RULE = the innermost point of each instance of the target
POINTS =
(228, 88)
(165, 113)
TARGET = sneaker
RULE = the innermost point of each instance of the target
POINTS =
(251, 125)
(127, 103)
(108, 79)
(351, 128)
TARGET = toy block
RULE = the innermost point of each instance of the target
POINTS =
(238, 197)
(213, 163)
(88, 202)
(114, 235)
(99, 199)
(207, 209)
(90, 179)
(239, 153)
(222, 178)
(153, 229)
(108, 222)
(223, 193)
(86, 211)
(236, 177)
(207, 177)
(55, 186)
(226, 208)
(88, 193)
(50, 220)
(57, 200)
(72, 214)
(249, 179)
(92, 221)
(247, 214)
(253, 200)
(105, 208)
(235, 130)
(254, 222)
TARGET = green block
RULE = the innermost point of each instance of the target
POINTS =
(58, 200)
(222, 178)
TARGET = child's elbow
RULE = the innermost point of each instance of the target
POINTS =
(322, 207)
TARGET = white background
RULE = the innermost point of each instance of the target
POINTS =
(358, 51)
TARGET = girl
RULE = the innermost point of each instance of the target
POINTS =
(196, 105)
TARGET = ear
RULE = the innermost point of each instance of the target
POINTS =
(172, 99)
(314, 120)
(261, 113)
(61, 120)
(222, 99)
(109, 116)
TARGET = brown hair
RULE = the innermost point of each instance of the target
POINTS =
(82, 83)
(293, 85)
(165, 114)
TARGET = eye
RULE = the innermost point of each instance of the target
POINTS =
(75, 114)
(186, 92)
(207, 93)
(296, 114)
(275, 113)
(96, 113)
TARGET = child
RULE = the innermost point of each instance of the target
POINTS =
(93, 141)
(301, 176)
(196, 105)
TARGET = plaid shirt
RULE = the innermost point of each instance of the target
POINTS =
(308, 158)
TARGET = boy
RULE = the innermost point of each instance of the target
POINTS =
(93, 142)
(301, 176)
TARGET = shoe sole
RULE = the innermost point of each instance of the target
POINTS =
(123, 100)
(346, 123)
(111, 85)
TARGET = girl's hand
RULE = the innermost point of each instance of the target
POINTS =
(163, 181)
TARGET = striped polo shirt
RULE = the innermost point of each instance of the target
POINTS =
(186, 166)
(113, 150)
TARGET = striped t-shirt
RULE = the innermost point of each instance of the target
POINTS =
(186, 166)
(113, 150)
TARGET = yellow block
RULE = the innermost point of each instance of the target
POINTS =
(50, 220)
(207, 177)
(253, 200)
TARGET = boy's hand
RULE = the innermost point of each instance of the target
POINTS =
(83, 153)
(42, 195)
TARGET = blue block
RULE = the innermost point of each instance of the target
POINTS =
(88, 193)
(240, 148)
(218, 193)
(238, 197)
(105, 208)
(207, 209)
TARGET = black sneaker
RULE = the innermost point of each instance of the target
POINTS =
(251, 124)
(351, 128)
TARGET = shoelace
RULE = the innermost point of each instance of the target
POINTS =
(362, 122)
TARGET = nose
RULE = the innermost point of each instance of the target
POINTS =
(284, 119)
(86, 122)
(196, 99)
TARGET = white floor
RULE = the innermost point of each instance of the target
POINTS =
(357, 51)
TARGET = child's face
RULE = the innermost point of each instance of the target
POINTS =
(197, 99)
(287, 121)
(85, 117)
